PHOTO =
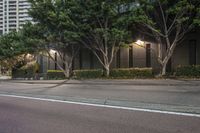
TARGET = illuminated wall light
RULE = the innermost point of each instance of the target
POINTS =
(139, 42)
(29, 56)
(52, 51)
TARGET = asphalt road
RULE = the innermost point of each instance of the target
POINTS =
(34, 116)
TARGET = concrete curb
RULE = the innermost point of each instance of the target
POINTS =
(113, 82)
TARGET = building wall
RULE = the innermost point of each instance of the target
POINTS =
(124, 57)
(139, 56)
(179, 58)
(182, 52)
(136, 56)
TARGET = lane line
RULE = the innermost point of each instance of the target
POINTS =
(104, 106)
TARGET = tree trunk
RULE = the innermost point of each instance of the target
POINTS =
(165, 62)
(164, 67)
(107, 71)
(67, 72)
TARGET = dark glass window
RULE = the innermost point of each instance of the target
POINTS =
(55, 61)
(192, 52)
(91, 61)
(80, 59)
(148, 55)
(64, 66)
(49, 62)
(131, 56)
(73, 64)
(118, 58)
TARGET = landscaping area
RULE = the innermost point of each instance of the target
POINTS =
(30, 72)
(96, 33)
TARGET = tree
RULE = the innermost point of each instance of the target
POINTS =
(97, 24)
(14, 47)
(53, 19)
(25, 41)
(8, 47)
(167, 22)
(100, 26)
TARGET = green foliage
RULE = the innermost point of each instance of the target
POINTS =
(129, 73)
(100, 21)
(123, 73)
(153, 13)
(196, 21)
(15, 44)
(55, 75)
(9, 46)
(55, 27)
(98, 24)
(27, 71)
(32, 37)
(188, 71)
(53, 17)
(88, 74)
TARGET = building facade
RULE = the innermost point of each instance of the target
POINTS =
(13, 14)
(186, 53)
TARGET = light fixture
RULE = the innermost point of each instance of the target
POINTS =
(52, 51)
(28, 55)
(139, 42)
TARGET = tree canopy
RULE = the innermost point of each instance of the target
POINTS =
(101, 27)
(166, 22)
(97, 25)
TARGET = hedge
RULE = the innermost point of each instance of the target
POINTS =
(55, 74)
(87, 74)
(123, 73)
(23, 73)
(27, 71)
(192, 71)
(129, 73)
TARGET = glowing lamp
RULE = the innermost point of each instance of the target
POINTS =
(139, 42)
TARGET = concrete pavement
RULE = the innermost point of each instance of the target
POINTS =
(5, 77)
(18, 115)
(143, 82)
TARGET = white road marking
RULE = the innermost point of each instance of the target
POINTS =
(104, 106)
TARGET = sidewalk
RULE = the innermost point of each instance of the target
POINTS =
(5, 77)
(158, 94)
(153, 82)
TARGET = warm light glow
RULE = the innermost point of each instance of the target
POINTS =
(52, 51)
(28, 55)
(139, 42)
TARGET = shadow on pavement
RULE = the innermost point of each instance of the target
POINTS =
(59, 84)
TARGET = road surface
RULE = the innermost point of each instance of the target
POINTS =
(19, 115)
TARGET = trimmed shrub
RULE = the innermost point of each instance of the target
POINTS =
(188, 71)
(123, 73)
(23, 73)
(55, 74)
(95, 73)
(27, 71)
(128, 73)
